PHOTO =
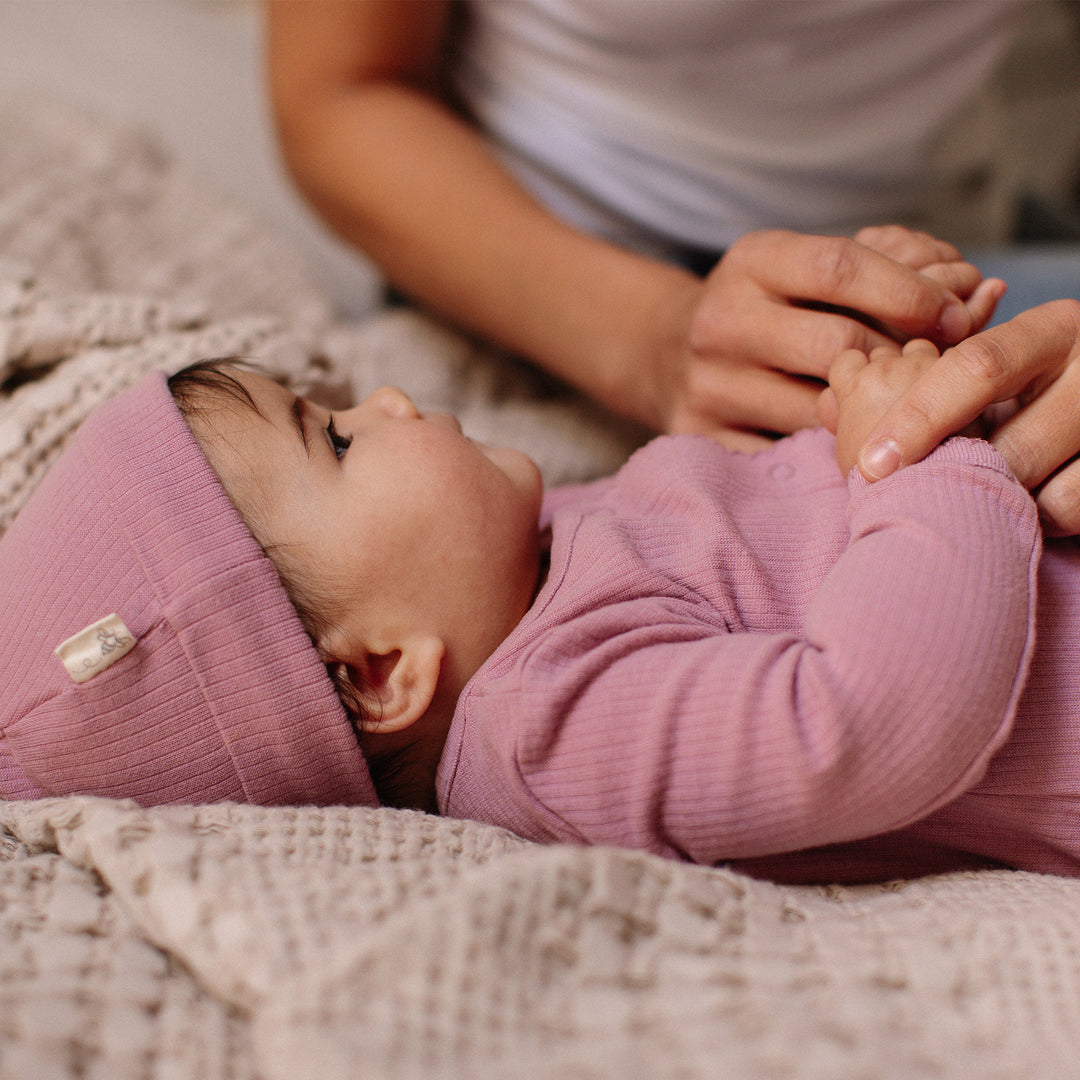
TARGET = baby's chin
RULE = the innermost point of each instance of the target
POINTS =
(520, 469)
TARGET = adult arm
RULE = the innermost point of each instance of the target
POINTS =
(1035, 359)
(394, 169)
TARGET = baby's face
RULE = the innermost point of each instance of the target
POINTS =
(404, 520)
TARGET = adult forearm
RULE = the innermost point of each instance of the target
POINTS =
(397, 174)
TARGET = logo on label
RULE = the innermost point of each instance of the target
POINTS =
(99, 646)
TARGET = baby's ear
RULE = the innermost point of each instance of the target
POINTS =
(397, 688)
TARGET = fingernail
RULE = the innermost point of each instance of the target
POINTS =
(880, 460)
(955, 323)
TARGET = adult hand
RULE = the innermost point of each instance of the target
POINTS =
(1035, 359)
(780, 306)
(939, 260)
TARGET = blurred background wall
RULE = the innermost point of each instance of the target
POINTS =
(1016, 149)
(191, 71)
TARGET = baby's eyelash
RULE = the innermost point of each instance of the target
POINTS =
(339, 442)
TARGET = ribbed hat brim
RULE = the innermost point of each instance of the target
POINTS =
(223, 695)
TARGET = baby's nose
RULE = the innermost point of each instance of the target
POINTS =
(393, 402)
(447, 420)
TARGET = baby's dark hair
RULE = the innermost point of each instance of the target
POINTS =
(196, 389)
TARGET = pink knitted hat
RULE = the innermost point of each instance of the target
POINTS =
(147, 647)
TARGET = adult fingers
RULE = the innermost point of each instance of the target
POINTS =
(961, 278)
(909, 246)
(747, 442)
(983, 302)
(980, 297)
(1045, 432)
(746, 398)
(1058, 501)
(842, 273)
(1028, 352)
(799, 341)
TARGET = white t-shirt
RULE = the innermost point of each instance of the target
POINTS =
(697, 120)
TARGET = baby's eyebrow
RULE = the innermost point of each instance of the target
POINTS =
(296, 415)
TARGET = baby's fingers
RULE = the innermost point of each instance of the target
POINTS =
(980, 297)
(921, 349)
(828, 409)
(908, 246)
(845, 370)
(983, 302)
(1029, 350)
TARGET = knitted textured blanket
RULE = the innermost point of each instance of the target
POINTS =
(235, 942)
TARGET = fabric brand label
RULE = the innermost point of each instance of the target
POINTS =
(98, 647)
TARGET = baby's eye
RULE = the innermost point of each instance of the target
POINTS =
(339, 443)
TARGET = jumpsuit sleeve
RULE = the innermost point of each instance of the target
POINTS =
(676, 738)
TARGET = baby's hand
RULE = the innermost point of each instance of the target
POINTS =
(940, 261)
(862, 388)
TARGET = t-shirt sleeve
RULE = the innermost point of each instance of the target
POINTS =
(662, 732)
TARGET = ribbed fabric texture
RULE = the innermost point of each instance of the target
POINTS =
(741, 657)
(223, 696)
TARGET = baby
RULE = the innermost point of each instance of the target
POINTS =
(760, 660)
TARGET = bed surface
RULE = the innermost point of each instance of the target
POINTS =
(229, 941)
(197, 943)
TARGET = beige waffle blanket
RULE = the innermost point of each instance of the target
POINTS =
(227, 942)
